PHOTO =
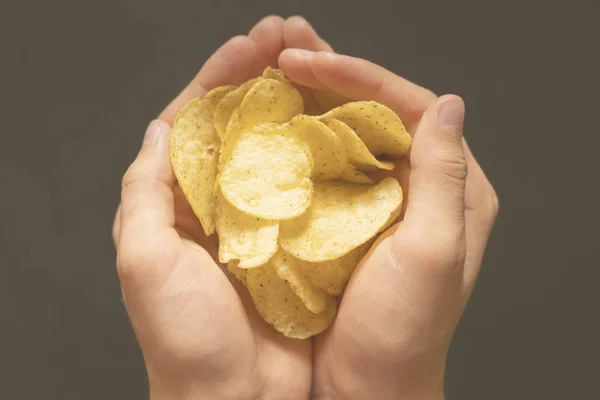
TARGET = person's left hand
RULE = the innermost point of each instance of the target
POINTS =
(398, 314)
(199, 332)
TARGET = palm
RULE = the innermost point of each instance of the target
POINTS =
(234, 322)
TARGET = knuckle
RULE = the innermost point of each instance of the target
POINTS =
(452, 164)
(133, 257)
(129, 177)
(436, 250)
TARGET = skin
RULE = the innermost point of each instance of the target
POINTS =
(199, 332)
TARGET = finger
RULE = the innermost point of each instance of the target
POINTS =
(147, 236)
(436, 205)
(481, 210)
(231, 64)
(299, 34)
(267, 35)
(357, 79)
(116, 229)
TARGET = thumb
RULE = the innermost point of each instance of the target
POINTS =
(439, 170)
(147, 237)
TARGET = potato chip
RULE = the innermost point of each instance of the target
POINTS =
(288, 269)
(267, 101)
(281, 308)
(251, 240)
(376, 125)
(239, 273)
(328, 151)
(194, 151)
(310, 105)
(358, 154)
(332, 276)
(274, 73)
(351, 175)
(342, 216)
(268, 175)
(228, 103)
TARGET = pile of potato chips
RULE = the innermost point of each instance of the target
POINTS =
(281, 173)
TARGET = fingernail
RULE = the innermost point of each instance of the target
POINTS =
(153, 132)
(302, 53)
(452, 114)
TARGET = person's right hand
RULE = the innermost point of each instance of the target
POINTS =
(403, 302)
(200, 334)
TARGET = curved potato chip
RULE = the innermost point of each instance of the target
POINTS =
(194, 151)
(332, 276)
(274, 73)
(267, 100)
(251, 240)
(268, 173)
(376, 125)
(288, 269)
(351, 175)
(239, 273)
(328, 151)
(358, 153)
(281, 308)
(228, 103)
(341, 217)
(310, 105)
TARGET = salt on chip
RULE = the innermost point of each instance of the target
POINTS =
(358, 153)
(281, 308)
(228, 103)
(268, 100)
(288, 268)
(251, 241)
(328, 151)
(342, 216)
(194, 152)
(268, 175)
(332, 276)
(376, 125)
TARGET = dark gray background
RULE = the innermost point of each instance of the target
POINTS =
(81, 79)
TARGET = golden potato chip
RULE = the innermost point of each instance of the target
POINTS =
(328, 151)
(251, 240)
(267, 101)
(353, 176)
(358, 154)
(274, 73)
(341, 217)
(239, 273)
(288, 269)
(376, 125)
(332, 276)
(310, 105)
(268, 175)
(281, 308)
(194, 151)
(228, 103)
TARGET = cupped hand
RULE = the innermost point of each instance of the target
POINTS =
(199, 333)
(401, 307)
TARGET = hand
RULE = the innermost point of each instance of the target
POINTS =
(199, 332)
(402, 305)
